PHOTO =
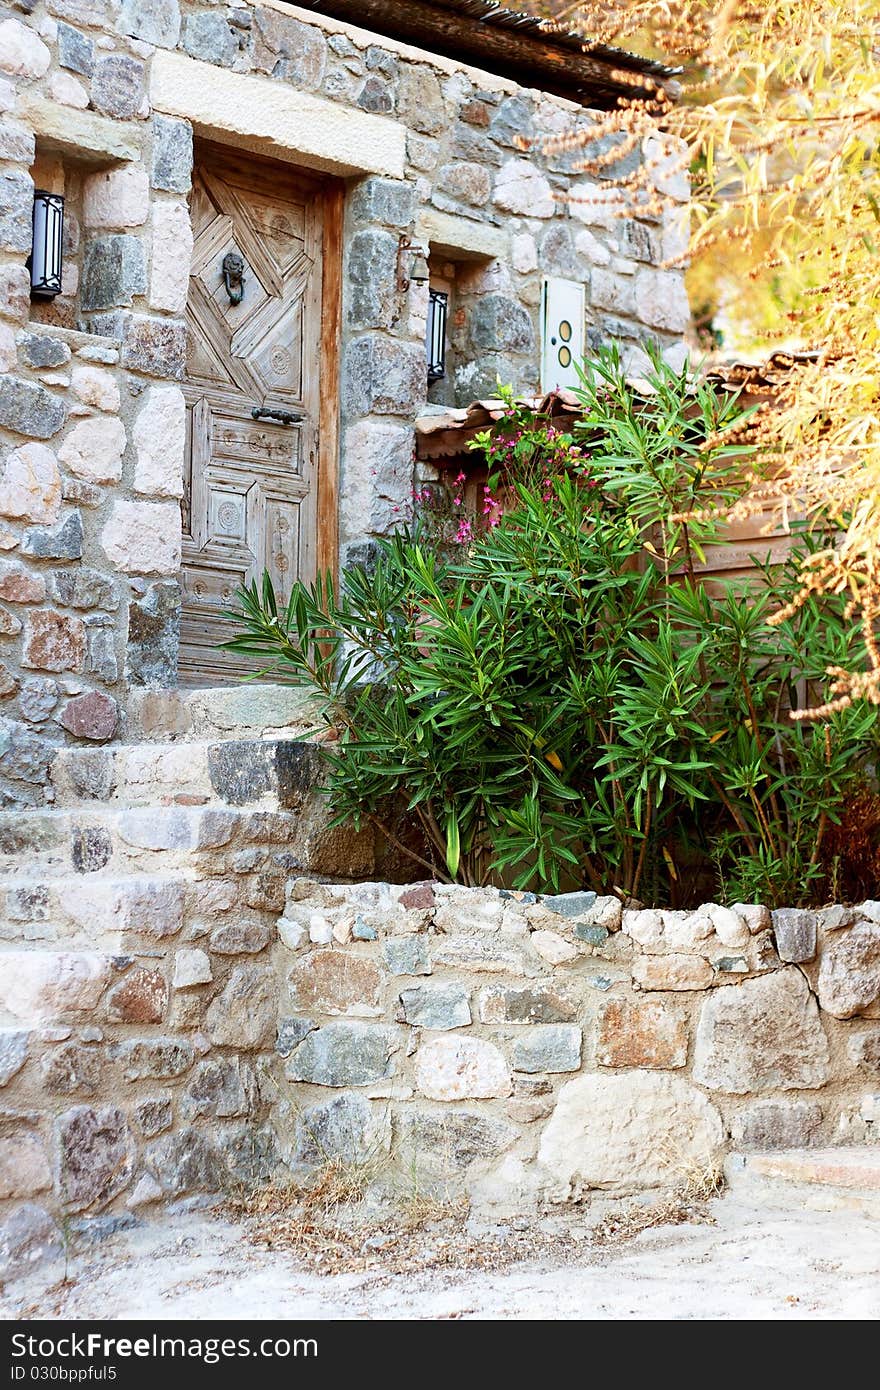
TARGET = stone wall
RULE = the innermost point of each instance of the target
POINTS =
(92, 428)
(183, 1035)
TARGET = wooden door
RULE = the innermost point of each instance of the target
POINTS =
(253, 389)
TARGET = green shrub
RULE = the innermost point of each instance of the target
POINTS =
(561, 700)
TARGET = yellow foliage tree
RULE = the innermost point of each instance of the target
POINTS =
(780, 122)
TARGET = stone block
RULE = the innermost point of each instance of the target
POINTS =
(152, 21)
(521, 189)
(498, 323)
(288, 49)
(849, 970)
(72, 1070)
(153, 1058)
(548, 1047)
(407, 955)
(420, 103)
(28, 1236)
(114, 271)
(156, 347)
(26, 756)
(54, 641)
(20, 585)
(170, 257)
(384, 376)
(140, 997)
(243, 1016)
(777, 1124)
(461, 1068)
(29, 409)
(482, 956)
(116, 198)
(14, 1050)
(863, 1050)
(375, 95)
(159, 437)
(63, 542)
(209, 36)
(154, 1114)
(465, 182)
(16, 210)
(96, 1155)
(604, 1132)
(525, 1004)
(438, 1007)
(93, 449)
(22, 53)
(118, 86)
(172, 159)
(240, 938)
(215, 1088)
(24, 1167)
(448, 1142)
(373, 301)
(68, 91)
(345, 1054)
(377, 477)
(15, 292)
(75, 50)
(95, 386)
(154, 636)
(794, 930)
(336, 982)
(186, 1161)
(191, 967)
(761, 1035)
(672, 972)
(347, 1127)
(661, 300)
(641, 1034)
(553, 948)
(143, 537)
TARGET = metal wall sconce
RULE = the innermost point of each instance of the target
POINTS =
(435, 338)
(45, 261)
(412, 265)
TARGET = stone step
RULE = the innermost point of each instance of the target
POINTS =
(819, 1179)
(247, 710)
(80, 912)
(254, 772)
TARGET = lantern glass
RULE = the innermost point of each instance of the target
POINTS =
(46, 252)
(438, 304)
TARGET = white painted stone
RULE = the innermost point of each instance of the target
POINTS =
(661, 299)
(63, 87)
(377, 478)
(93, 450)
(159, 436)
(591, 248)
(30, 488)
(94, 386)
(117, 197)
(22, 54)
(38, 985)
(524, 253)
(460, 1068)
(730, 928)
(521, 188)
(171, 256)
(761, 1035)
(191, 967)
(552, 947)
(638, 1129)
(143, 537)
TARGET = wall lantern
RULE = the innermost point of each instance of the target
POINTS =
(412, 267)
(435, 338)
(45, 258)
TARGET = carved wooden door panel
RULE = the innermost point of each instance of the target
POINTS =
(252, 394)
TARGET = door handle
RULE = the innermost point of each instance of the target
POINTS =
(277, 417)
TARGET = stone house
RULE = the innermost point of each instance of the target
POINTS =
(286, 235)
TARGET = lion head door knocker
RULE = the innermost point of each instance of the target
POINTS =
(233, 276)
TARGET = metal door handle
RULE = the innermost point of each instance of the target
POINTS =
(278, 417)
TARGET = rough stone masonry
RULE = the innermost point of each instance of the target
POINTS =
(185, 1036)
(92, 417)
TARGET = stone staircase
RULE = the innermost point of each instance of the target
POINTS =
(832, 1179)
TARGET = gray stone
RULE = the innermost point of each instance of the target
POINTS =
(761, 1035)
(62, 542)
(525, 1004)
(153, 1115)
(37, 698)
(16, 210)
(208, 36)
(90, 849)
(863, 1050)
(388, 202)
(362, 931)
(92, 773)
(153, 1058)
(571, 905)
(85, 588)
(345, 1054)
(96, 1155)
(29, 903)
(240, 938)
(118, 86)
(435, 1006)
(289, 49)
(380, 60)
(101, 660)
(15, 290)
(465, 181)
(291, 1032)
(16, 143)
(501, 324)
(152, 21)
(372, 272)
(14, 1045)
(26, 757)
(474, 146)
(407, 955)
(420, 101)
(512, 123)
(153, 636)
(215, 1088)
(186, 1162)
(40, 350)
(641, 242)
(251, 1154)
(795, 933)
(558, 255)
(446, 1142)
(552, 1047)
(30, 409)
(27, 1237)
(172, 154)
(777, 1124)
(242, 771)
(75, 51)
(593, 935)
(346, 1127)
(72, 1070)
(91, 1230)
(382, 376)
(375, 95)
(156, 347)
(849, 970)
(114, 271)
(243, 1016)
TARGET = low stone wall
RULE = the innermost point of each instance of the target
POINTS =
(525, 1050)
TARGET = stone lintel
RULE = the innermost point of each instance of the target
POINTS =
(462, 238)
(92, 139)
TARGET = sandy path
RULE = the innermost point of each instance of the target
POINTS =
(750, 1264)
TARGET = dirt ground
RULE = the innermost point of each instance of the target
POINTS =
(732, 1261)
